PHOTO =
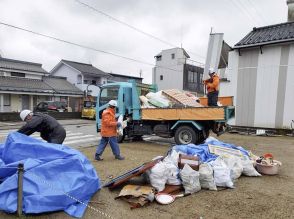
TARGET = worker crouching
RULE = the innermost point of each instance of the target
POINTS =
(50, 130)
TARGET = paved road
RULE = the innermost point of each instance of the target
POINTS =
(77, 134)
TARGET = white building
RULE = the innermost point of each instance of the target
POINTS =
(81, 75)
(173, 71)
(260, 71)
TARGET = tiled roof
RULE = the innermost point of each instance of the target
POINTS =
(12, 64)
(125, 76)
(277, 33)
(61, 85)
(47, 85)
(86, 68)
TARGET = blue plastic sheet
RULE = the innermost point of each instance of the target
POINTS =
(202, 150)
(55, 176)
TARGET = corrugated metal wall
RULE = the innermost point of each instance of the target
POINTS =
(263, 86)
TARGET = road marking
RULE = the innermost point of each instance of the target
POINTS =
(82, 140)
(5, 123)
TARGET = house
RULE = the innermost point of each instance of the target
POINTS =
(174, 70)
(24, 84)
(81, 75)
(260, 69)
(123, 78)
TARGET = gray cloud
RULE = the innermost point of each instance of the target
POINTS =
(176, 21)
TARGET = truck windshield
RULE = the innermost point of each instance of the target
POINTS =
(107, 94)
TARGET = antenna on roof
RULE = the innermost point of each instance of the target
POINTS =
(211, 29)
(140, 73)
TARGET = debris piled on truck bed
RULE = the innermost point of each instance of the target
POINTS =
(172, 98)
(187, 169)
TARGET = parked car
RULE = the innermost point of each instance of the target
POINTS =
(46, 106)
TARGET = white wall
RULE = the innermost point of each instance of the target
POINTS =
(172, 70)
(289, 93)
(68, 72)
(267, 87)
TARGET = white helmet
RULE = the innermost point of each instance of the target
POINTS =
(112, 103)
(23, 114)
(211, 70)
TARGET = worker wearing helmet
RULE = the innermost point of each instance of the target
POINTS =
(50, 130)
(109, 132)
(212, 86)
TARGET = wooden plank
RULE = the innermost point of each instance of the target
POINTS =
(197, 113)
(180, 97)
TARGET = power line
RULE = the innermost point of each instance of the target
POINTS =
(132, 27)
(265, 19)
(243, 10)
(83, 46)
(248, 11)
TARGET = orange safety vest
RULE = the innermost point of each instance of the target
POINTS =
(212, 85)
(108, 123)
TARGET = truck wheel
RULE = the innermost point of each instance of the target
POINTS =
(185, 135)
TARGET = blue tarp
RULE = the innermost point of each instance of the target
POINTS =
(202, 150)
(55, 176)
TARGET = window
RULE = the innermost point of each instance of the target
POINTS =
(190, 77)
(161, 77)
(173, 56)
(107, 94)
(17, 74)
(158, 58)
(94, 82)
(6, 99)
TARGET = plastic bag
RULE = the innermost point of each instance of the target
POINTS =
(235, 165)
(172, 170)
(206, 177)
(248, 168)
(190, 179)
(158, 100)
(222, 173)
(157, 176)
(120, 130)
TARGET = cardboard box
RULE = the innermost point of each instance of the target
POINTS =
(192, 161)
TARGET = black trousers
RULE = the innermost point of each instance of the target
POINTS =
(212, 98)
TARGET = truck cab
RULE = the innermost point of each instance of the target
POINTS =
(184, 124)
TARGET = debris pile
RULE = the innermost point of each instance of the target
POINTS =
(169, 99)
(186, 169)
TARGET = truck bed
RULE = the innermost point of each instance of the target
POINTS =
(193, 113)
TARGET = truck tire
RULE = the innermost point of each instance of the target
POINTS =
(185, 135)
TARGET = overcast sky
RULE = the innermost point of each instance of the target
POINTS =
(176, 22)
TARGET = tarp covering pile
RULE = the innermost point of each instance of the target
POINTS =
(55, 176)
(203, 152)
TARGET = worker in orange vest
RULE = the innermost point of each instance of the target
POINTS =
(212, 86)
(109, 127)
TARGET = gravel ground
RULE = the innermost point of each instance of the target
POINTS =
(253, 197)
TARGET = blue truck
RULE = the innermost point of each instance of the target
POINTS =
(186, 124)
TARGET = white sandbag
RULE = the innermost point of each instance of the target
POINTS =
(172, 174)
(157, 176)
(248, 168)
(190, 179)
(222, 173)
(206, 177)
(158, 100)
(120, 129)
(172, 170)
(144, 102)
(235, 165)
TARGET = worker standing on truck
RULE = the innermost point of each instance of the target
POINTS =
(109, 127)
(212, 86)
(50, 130)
